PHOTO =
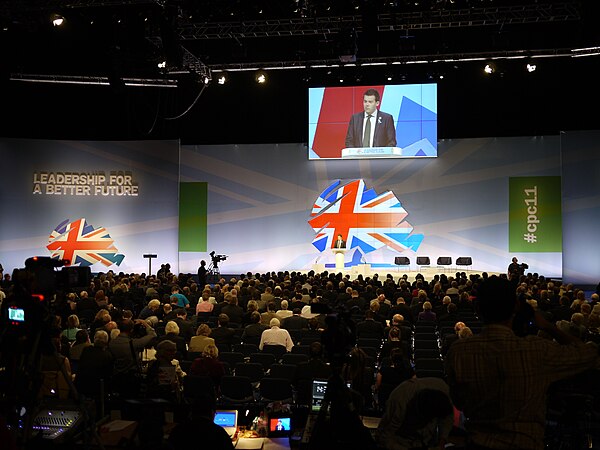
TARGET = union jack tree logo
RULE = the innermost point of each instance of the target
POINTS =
(82, 244)
(367, 221)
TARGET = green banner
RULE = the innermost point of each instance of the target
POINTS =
(192, 217)
(534, 217)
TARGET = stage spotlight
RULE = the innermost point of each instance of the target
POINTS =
(489, 68)
(531, 67)
(57, 20)
(162, 65)
(261, 77)
(222, 79)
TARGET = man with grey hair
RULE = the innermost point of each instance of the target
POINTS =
(276, 336)
(95, 366)
(284, 312)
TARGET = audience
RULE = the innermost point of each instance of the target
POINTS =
(456, 304)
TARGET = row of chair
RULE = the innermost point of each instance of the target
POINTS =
(239, 390)
(423, 261)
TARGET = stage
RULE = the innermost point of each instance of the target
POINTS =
(397, 272)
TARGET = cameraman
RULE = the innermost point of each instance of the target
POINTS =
(126, 350)
(515, 269)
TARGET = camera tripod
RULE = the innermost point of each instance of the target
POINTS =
(213, 270)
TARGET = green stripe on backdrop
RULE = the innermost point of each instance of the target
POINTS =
(192, 217)
(535, 220)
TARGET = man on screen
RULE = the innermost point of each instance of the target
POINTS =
(371, 128)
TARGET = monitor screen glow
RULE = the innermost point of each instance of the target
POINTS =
(404, 123)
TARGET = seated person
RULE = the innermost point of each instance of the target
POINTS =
(253, 331)
(209, 365)
(199, 342)
(164, 377)
(276, 336)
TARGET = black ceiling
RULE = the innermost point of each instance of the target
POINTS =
(119, 39)
(131, 37)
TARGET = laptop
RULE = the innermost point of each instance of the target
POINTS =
(228, 420)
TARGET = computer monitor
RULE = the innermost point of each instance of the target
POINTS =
(319, 388)
(228, 420)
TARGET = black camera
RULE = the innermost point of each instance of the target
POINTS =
(40, 277)
(217, 258)
(27, 308)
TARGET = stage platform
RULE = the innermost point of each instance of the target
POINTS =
(366, 270)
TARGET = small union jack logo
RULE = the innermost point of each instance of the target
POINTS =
(82, 244)
(366, 220)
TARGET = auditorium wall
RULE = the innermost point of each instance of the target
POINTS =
(260, 199)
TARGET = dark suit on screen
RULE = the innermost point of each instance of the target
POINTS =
(384, 135)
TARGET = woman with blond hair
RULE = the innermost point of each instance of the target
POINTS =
(72, 328)
(209, 365)
(199, 342)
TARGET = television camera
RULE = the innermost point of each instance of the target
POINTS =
(28, 328)
(35, 287)
(216, 259)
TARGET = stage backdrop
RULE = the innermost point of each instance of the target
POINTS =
(102, 204)
(262, 197)
(581, 207)
(267, 207)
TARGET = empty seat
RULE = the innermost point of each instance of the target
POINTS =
(420, 353)
(231, 357)
(274, 389)
(423, 261)
(444, 262)
(276, 350)
(402, 261)
(254, 371)
(304, 349)
(198, 386)
(368, 342)
(464, 261)
(426, 344)
(246, 349)
(236, 389)
(294, 358)
(286, 371)
(266, 359)
(370, 351)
